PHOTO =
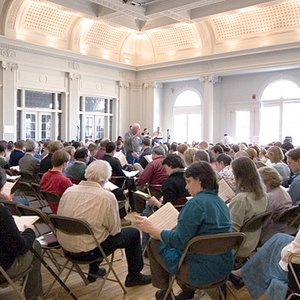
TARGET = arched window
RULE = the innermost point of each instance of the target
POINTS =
(187, 117)
(280, 110)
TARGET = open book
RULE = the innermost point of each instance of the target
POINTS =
(226, 193)
(145, 196)
(130, 173)
(165, 218)
(121, 157)
(148, 158)
(110, 186)
(24, 220)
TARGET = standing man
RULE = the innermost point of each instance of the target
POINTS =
(133, 141)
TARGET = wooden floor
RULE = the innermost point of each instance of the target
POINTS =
(111, 290)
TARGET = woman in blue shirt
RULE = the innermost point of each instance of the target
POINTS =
(204, 214)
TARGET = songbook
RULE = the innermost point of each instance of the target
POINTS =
(12, 178)
(165, 218)
(48, 239)
(148, 158)
(145, 196)
(15, 168)
(130, 173)
(121, 157)
(24, 220)
(110, 186)
(226, 193)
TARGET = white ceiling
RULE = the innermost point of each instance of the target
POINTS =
(141, 33)
(143, 15)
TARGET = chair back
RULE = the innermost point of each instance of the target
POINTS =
(70, 225)
(43, 224)
(51, 198)
(256, 222)
(12, 206)
(294, 275)
(284, 216)
(215, 244)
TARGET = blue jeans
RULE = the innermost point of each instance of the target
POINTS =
(128, 238)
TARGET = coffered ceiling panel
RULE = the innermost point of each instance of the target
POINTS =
(148, 32)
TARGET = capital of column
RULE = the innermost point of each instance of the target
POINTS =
(9, 66)
(74, 76)
(152, 85)
(210, 79)
(124, 84)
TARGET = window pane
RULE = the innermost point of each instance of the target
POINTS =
(89, 126)
(269, 124)
(180, 128)
(291, 121)
(284, 89)
(19, 98)
(194, 128)
(242, 125)
(59, 101)
(99, 130)
(188, 98)
(93, 104)
(38, 99)
(30, 126)
(45, 127)
(19, 122)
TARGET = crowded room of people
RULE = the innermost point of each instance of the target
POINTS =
(149, 149)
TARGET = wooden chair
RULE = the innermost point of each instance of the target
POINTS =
(212, 244)
(74, 227)
(6, 280)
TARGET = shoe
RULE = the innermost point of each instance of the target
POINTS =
(125, 222)
(236, 281)
(92, 277)
(140, 279)
(185, 295)
(160, 294)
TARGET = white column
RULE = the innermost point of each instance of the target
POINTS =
(122, 108)
(208, 107)
(72, 106)
(8, 100)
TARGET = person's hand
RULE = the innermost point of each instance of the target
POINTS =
(144, 224)
(135, 154)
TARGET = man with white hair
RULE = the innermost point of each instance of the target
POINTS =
(89, 201)
(133, 141)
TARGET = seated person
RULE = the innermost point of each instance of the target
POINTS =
(54, 181)
(266, 273)
(174, 187)
(154, 173)
(115, 164)
(76, 171)
(15, 254)
(224, 170)
(46, 162)
(204, 214)
(3, 148)
(101, 212)
(276, 157)
(293, 160)
(250, 200)
(146, 150)
(29, 165)
(17, 153)
(278, 201)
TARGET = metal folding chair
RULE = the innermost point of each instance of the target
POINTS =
(212, 244)
(6, 280)
(72, 226)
